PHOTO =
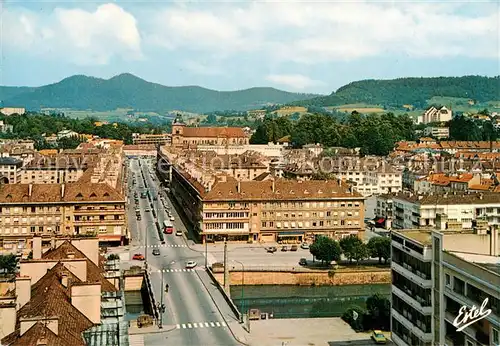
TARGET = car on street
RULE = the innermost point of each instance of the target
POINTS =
(139, 218)
(138, 257)
(178, 233)
(304, 246)
(147, 210)
(294, 248)
(303, 262)
(190, 264)
(163, 242)
(284, 248)
(271, 249)
(156, 252)
(172, 218)
(379, 337)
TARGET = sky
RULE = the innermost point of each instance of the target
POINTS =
(301, 46)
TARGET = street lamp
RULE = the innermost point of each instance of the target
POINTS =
(161, 305)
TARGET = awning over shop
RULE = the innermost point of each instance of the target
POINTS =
(110, 237)
(380, 220)
(290, 233)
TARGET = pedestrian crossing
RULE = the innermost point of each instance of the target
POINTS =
(136, 340)
(195, 325)
(166, 245)
(175, 270)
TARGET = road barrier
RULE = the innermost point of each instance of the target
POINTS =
(226, 296)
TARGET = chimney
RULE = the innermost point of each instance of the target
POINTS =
(62, 190)
(238, 188)
(30, 189)
(53, 242)
(37, 247)
(64, 280)
(23, 291)
(274, 186)
(480, 196)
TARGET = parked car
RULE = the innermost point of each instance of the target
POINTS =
(378, 337)
(172, 218)
(156, 252)
(303, 262)
(138, 257)
(304, 246)
(147, 210)
(294, 248)
(190, 264)
(271, 249)
(178, 233)
(284, 248)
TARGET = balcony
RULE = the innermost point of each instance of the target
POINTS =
(413, 275)
(426, 337)
(99, 211)
(413, 300)
(98, 222)
(399, 341)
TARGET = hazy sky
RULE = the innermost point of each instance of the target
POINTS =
(308, 46)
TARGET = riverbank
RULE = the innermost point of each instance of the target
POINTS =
(345, 276)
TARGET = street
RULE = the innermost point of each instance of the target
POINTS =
(191, 316)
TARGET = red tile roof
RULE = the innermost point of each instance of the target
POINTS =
(204, 132)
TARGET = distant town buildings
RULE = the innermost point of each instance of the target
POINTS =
(437, 132)
(12, 110)
(10, 170)
(151, 139)
(4, 128)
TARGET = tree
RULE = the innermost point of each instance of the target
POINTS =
(355, 317)
(326, 249)
(353, 248)
(8, 263)
(379, 311)
(380, 247)
(211, 119)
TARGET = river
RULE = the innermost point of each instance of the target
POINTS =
(305, 301)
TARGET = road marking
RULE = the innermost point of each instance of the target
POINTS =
(206, 324)
(183, 326)
(212, 324)
(218, 324)
(224, 324)
(178, 326)
(201, 325)
(189, 325)
(195, 325)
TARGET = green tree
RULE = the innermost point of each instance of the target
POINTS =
(353, 248)
(8, 263)
(355, 317)
(380, 247)
(325, 249)
(379, 312)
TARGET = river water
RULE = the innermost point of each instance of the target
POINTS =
(305, 301)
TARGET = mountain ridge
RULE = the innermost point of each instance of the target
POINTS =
(129, 91)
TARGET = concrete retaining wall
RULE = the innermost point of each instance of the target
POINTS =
(353, 277)
(219, 283)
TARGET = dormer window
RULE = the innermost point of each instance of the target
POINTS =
(106, 194)
(92, 195)
(79, 195)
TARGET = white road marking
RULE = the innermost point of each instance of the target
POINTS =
(195, 325)
(178, 326)
(218, 324)
(183, 326)
(189, 325)
(212, 324)
(224, 324)
(206, 324)
(201, 325)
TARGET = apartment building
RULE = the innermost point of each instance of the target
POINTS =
(4, 128)
(191, 137)
(10, 170)
(450, 147)
(281, 210)
(80, 208)
(437, 132)
(462, 210)
(434, 275)
(446, 182)
(56, 169)
(12, 110)
(62, 297)
(151, 139)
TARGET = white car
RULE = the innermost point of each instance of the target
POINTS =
(190, 264)
(178, 233)
(172, 218)
(304, 246)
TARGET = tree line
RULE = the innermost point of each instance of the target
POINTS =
(375, 134)
(463, 128)
(34, 125)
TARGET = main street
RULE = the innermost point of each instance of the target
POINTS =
(191, 316)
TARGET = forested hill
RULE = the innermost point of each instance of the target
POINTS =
(128, 91)
(410, 91)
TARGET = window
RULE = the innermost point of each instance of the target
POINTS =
(448, 280)
(254, 214)
(328, 213)
(495, 337)
(264, 224)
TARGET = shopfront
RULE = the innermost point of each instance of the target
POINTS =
(290, 237)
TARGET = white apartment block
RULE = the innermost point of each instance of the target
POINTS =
(12, 110)
(10, 170)
(435, 274)
(434, 115)
(445, 211)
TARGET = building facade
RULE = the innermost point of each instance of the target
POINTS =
(10, 170)
(437, 132)
(70, 209)
(148, 139)
(435, 276)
